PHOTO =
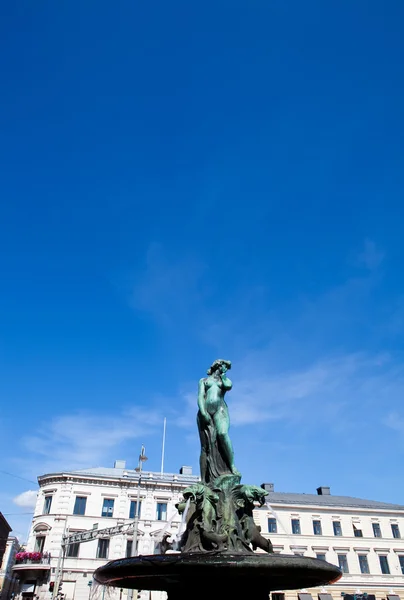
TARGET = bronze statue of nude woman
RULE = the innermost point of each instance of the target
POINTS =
(217, 457)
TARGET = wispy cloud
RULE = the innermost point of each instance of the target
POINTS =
(85, 439)
(395, 421)
(184, 294)
(170, 290)
(371, 256)
(326, 388)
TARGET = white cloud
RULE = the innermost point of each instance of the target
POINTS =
(26, 499)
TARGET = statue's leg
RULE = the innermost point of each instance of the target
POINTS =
(222, 424)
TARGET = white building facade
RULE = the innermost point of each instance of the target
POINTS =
(99, 498)
(363, 537)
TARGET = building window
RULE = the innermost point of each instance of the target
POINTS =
(395, 531)
(401, 560)
(80, 505)
(161, 511)
(103, 547)
(384, 565)
(357, 532)
(47, 505)
(363, 563)
(133, 509)
(272, 528)
(317, 528)
(296, 526)
(73, 550)
(343, 563)
(337, 527)
(376, 530)
(39, 543)
(320, 556)
(129, 546)
(108, 507)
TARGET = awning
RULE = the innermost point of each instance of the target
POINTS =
(325, 597)
(393, 597)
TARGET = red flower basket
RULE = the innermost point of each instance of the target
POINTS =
(24, 556)
(36, 556)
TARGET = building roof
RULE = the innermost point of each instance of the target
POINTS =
(329, 500)
(119, 473)
(273, 498)
(4, 525)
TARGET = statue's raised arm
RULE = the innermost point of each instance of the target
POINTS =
(227, 384)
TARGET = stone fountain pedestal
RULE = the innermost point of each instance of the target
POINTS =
(217, 576)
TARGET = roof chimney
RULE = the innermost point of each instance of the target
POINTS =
(186, 471)
(323, 491)
(120, 464)
(269, 487)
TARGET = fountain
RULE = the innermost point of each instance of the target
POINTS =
(217, 557)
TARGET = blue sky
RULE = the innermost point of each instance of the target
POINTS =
(182, 182)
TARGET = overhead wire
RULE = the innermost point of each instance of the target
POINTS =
(18, 477)
(13, 514)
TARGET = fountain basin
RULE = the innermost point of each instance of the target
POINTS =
(217, 575)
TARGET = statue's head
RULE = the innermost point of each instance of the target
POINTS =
(219, 365)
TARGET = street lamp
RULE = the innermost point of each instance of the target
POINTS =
(142, 459)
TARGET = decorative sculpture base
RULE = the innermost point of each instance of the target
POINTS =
(217, 576)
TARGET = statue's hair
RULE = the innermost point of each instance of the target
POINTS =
(217, 364)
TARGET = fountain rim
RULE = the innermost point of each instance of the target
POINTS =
(178, 570)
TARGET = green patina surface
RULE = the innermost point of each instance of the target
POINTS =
(220, 515)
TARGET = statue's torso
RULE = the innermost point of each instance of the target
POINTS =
(214, 398)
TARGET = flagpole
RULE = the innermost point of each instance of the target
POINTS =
(163, 445)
